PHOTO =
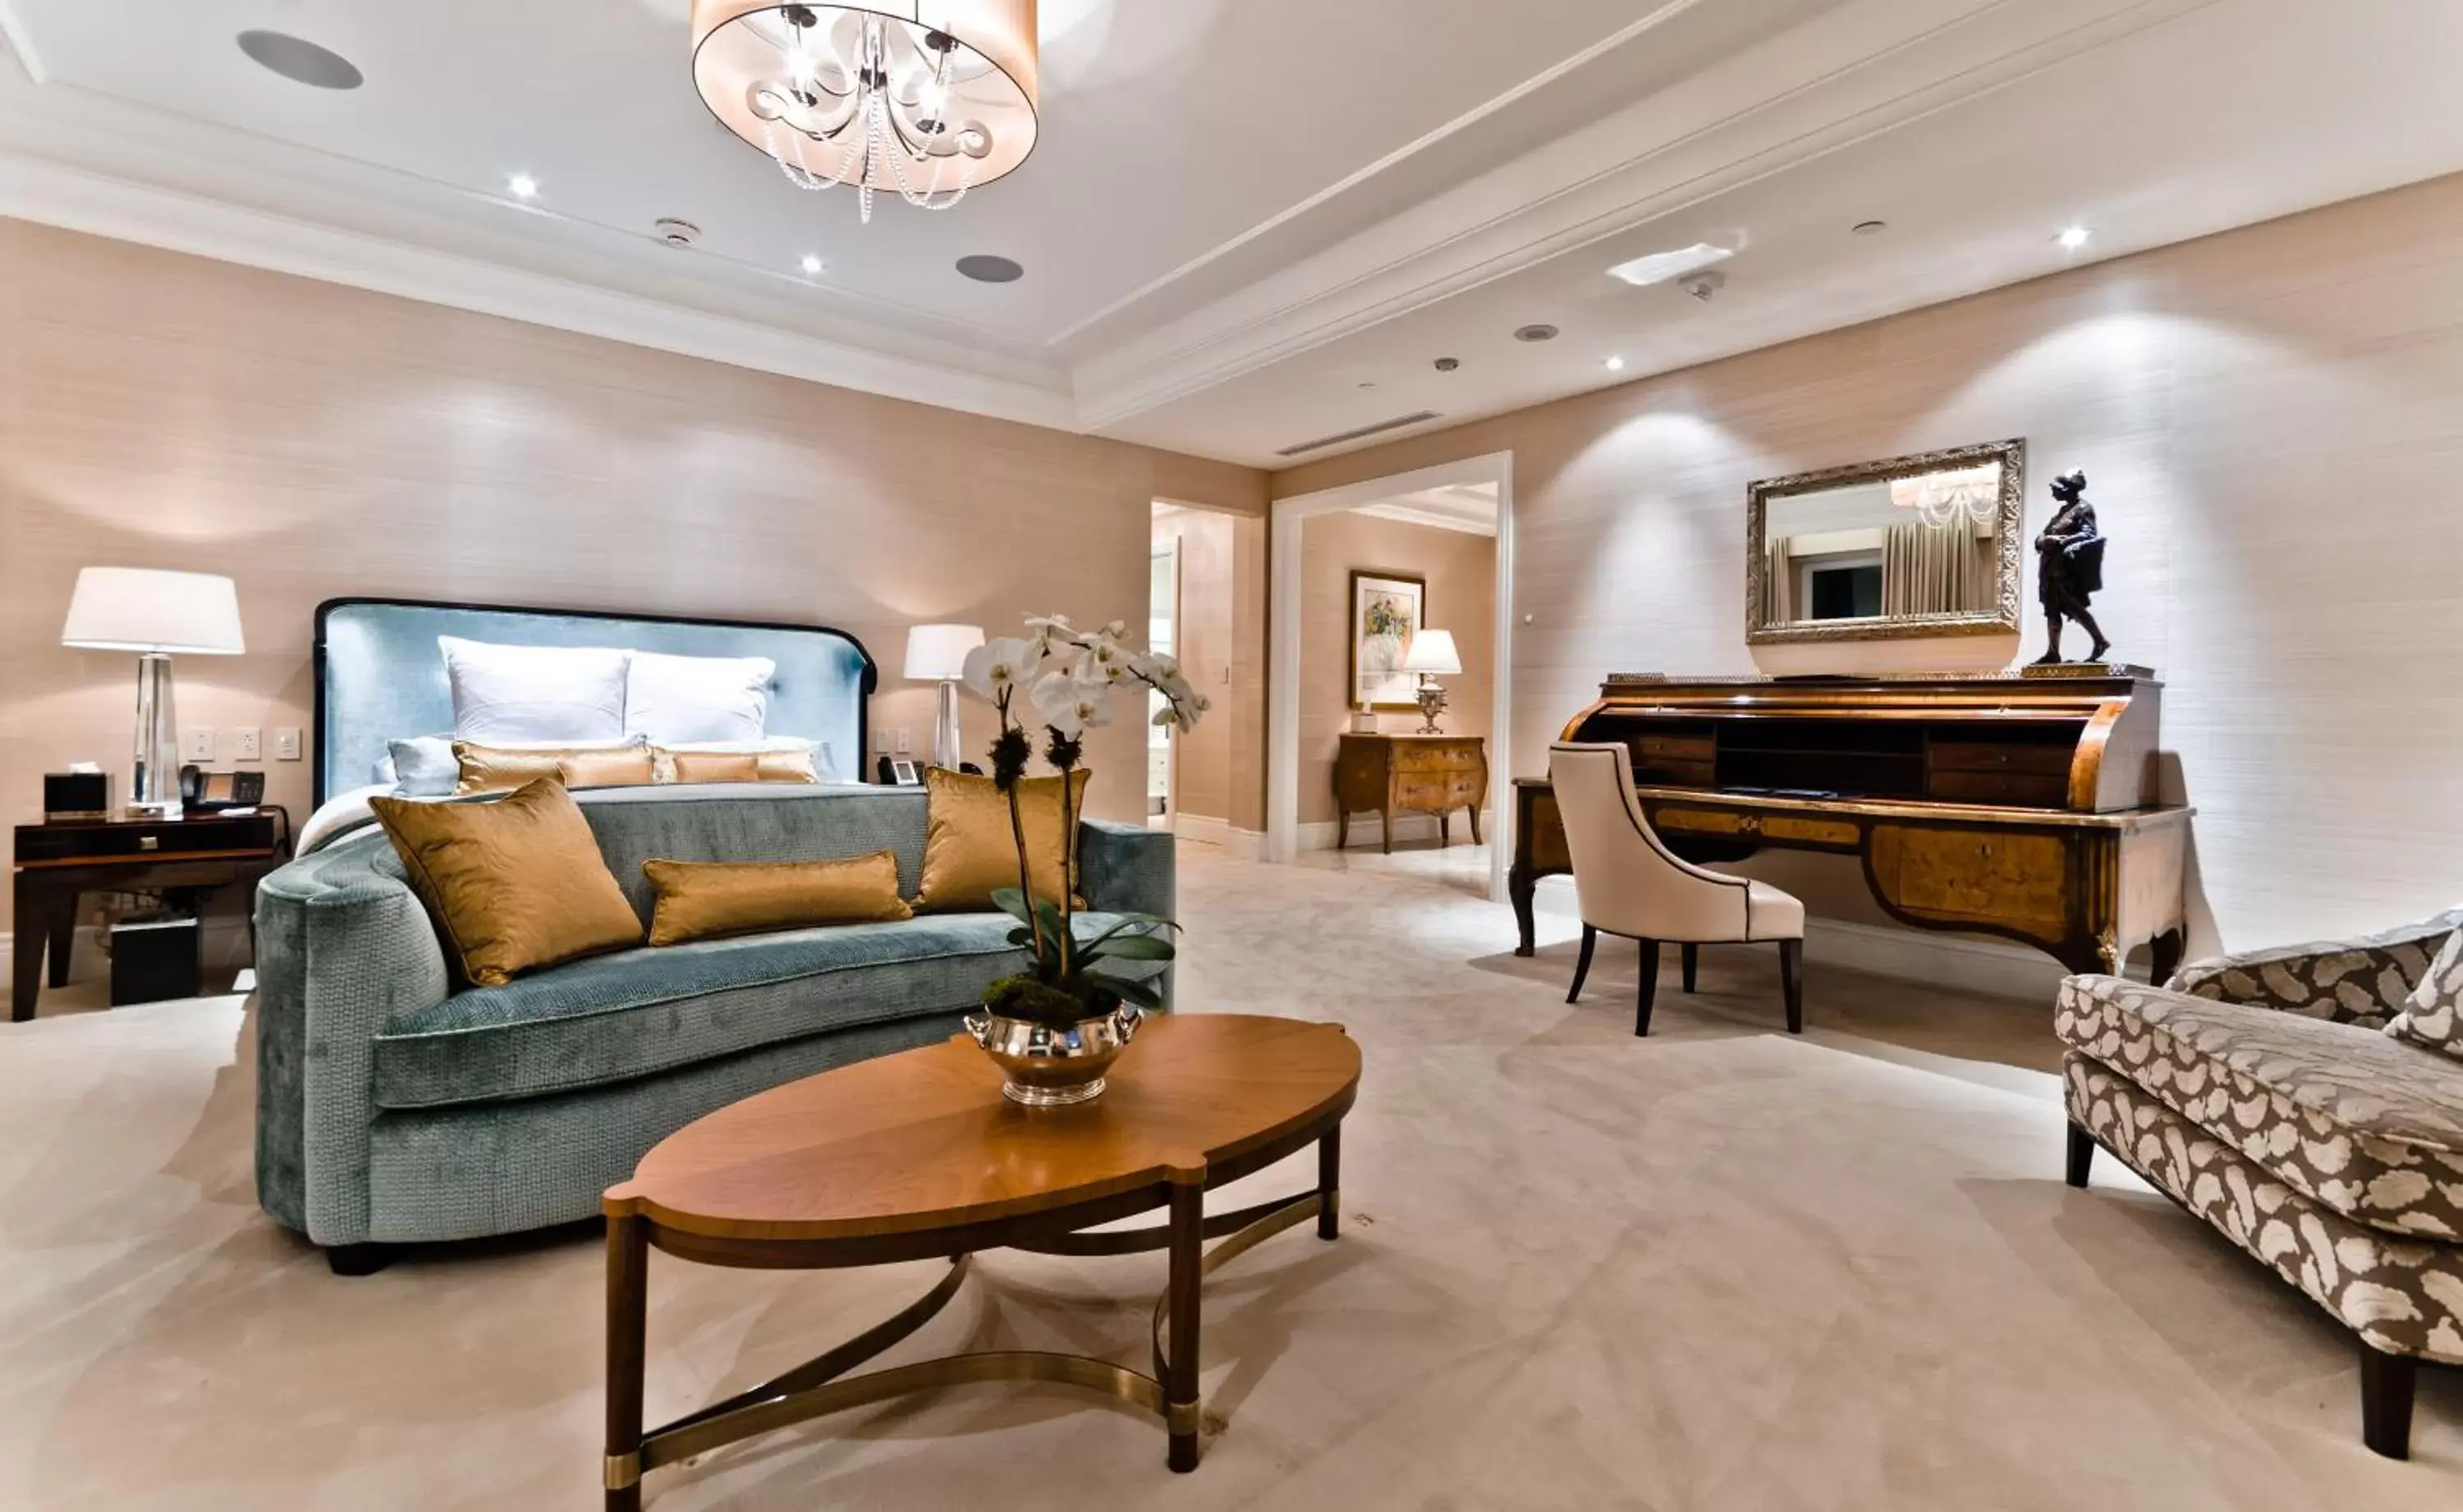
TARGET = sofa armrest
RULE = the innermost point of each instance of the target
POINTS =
(343, 948)
(2362, 980)
(1124, 868)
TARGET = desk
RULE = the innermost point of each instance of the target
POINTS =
(57, 863)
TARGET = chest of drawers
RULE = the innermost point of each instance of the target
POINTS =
(1395, 775)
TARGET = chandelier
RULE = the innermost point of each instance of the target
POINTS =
(921, 98)
(1967, 498)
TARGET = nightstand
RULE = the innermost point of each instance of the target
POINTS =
(57, 863)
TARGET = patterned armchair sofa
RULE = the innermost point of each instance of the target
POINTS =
(2260, 1093)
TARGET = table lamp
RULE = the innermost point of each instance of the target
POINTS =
(938, 654)
(1431, 652)
(154, 613)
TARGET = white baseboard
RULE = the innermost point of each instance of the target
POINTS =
(1320, 835)
(1241, 844)
(1949, 961)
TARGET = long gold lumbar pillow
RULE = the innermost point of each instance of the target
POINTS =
(703, 899)
(493, 768)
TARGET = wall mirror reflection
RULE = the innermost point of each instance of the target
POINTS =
(1924, 545)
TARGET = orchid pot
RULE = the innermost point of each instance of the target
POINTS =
(1056, 1028)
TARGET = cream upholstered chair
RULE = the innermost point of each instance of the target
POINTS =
(1630, 883)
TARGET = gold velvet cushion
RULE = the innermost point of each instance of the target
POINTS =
(968, 849)
(494, 768)
(514, 885)
(726, 761)
(699, 899)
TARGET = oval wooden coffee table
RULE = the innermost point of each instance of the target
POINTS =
(918, 1156)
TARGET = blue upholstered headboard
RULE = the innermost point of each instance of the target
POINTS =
(379, 675)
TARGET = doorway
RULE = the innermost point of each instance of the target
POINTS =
(1163, 617)
(1302, 615)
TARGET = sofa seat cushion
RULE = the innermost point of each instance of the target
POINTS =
(2368, 1126)
(638, 1012)
(2403, 1296)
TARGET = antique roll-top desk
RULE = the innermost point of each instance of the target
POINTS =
(2012, 803)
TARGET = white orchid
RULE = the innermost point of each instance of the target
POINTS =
(1051, 633)
(1070, 705)
(999, 667)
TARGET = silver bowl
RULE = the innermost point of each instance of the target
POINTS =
(1049, 1068)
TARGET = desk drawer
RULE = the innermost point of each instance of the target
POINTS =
(1981, 756)
(2028, 789)
(1653, 749)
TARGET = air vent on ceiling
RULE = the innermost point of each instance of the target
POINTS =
(1378, 429)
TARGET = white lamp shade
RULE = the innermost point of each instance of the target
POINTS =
(1432, 651)
(141, 608)
(938, 651)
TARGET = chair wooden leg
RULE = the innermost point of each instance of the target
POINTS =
(2385, 1401)
(1692, 957)
(1791, 977)
(1582, 964)
(1649, 989)
(2081, 1155)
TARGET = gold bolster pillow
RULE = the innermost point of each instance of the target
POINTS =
(489, 769)
(970, 847)
(512, 885)
(792, 764)
(701, 900)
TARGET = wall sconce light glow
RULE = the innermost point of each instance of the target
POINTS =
(1614, 364)
(522, 185)
(2073, 237)
(1660, 266)
(811, 263)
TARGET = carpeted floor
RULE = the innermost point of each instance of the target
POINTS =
(1720, 1269)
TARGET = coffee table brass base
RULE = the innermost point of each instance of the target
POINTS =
(814, 1388)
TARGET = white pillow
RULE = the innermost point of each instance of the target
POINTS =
(674, 700)
(565, 694)
(421, 767)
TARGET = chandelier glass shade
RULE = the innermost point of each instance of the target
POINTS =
(1969, 498)
(921, 98)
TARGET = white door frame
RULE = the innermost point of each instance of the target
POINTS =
(1283, 648)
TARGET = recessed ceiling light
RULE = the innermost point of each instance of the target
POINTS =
(985, 269)
(1868, 227)
(811, 263)
(522, 185)
(1660, 266)
(1614, 364)
(2073, 237)
(300, 60)
(1540, 333)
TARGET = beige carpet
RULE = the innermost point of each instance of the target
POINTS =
(1720, 1269)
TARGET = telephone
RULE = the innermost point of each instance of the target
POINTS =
(207, 792)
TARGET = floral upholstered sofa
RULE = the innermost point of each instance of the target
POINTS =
(2261, 1093)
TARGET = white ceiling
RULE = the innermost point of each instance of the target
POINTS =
(1241, 212)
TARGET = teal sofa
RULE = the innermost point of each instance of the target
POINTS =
(392, 1109)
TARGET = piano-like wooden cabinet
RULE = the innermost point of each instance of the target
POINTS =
(2017, 804)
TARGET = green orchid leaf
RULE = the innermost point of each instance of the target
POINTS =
(1141, 993)
(1138, 948)
(1012, 902)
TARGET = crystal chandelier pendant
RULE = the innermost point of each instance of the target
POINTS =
(926, 100)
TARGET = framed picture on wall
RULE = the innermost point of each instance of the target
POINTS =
(1386, 611)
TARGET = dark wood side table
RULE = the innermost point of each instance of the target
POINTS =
(1410, 774)
(59, 862)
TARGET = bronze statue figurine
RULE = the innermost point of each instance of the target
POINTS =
(2069, 567)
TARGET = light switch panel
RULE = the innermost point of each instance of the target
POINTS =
(197, 743)
(902, 746)
(245, 745)
(286, 742)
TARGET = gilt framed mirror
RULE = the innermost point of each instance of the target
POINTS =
(1926, 544)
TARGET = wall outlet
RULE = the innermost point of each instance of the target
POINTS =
(902, 746)
(245, 745)
(197, 743)
(286, 744)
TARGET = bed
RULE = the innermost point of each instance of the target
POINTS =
(378, 677)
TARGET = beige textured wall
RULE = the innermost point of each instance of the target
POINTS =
(2272, 425)
(312, 441)
(1461, 572)
(1223, 591)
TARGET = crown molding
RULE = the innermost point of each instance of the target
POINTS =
(1777, 106)
(1434, 519)
(34, 189)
